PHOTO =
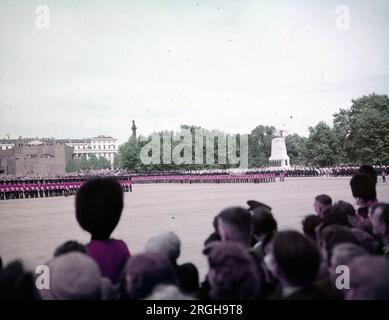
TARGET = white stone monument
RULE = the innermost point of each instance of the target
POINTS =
(279, 157)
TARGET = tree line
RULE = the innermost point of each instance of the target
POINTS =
(90, 163)
(357, 135)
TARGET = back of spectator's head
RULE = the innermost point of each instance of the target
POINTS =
(336, 215)
(99, 204)
(310, 223)
(263, 222)
(369, 278)
(1, 264)
(380, 220)
(332, 235)
(366, 241)
(168, 244)
(232, 273)
(363, 187)
(348, 209)
(296, 259)
(370, 171)
(235, 224)
(321, 204)
(16, 283)
(342, 255)
(143, 272)
(73, 276)
(188, 278)
(69, 246)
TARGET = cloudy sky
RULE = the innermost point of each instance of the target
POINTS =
(229, 65)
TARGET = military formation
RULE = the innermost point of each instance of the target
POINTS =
(44, 188)
(16, 188)
(207, 178)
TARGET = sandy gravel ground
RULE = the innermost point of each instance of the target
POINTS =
(33, 228)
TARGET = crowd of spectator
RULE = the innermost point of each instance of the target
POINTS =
(341, 253)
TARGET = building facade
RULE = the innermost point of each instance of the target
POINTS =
(101, 146)
(35, 158)
(48, 156)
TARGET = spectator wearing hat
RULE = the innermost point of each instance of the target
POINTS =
(363, 189)
(370, 171)
(76, 276)
(99, 204)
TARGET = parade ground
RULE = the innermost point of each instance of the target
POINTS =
(32, 228)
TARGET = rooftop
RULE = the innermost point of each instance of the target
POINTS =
(29, 140)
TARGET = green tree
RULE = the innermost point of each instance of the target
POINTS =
(84, 163)
(103, 163)
(72, 166)
(93, 162)
(129, 153)
(362, 131)
(321, 145)
(297, 149)
(260, 145)
(116, 161)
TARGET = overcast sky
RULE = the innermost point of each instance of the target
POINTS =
(228, 65)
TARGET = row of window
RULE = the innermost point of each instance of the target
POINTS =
(98, 147)
(105, 155)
